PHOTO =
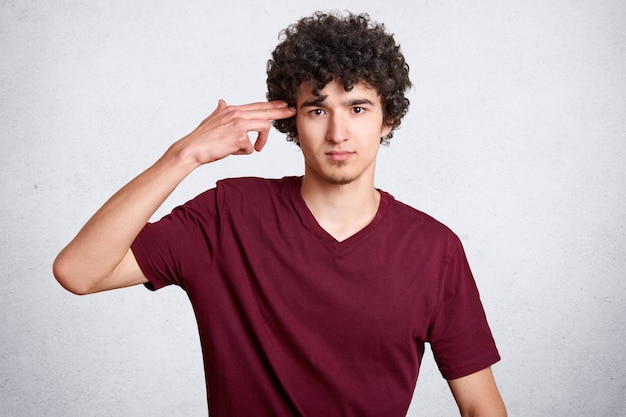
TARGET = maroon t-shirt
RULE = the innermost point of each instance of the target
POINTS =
(293, 322)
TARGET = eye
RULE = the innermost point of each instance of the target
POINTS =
(316, 112)
(358, 110)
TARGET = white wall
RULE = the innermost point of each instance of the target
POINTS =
(516, 138)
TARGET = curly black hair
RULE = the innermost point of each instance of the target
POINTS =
(349, 49)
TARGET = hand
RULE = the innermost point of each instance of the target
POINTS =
(99, 257)
(225, 131)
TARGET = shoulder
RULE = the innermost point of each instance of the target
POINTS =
(248, 183)
(416, 221)
(251, 186)
(253, 191)
(231, 190)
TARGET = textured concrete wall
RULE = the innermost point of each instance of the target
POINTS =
(516, 139)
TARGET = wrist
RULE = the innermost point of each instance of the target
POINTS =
(181, 156)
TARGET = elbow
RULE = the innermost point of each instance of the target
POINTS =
(68, 277)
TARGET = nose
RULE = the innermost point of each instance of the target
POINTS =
(337, 129)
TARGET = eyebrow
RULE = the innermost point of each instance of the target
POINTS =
(319, 101)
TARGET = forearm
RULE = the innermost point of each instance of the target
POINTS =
(98, 258)
(102, 243)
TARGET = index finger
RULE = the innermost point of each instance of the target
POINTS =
(268, 110)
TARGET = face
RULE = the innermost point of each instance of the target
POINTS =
(339, 132)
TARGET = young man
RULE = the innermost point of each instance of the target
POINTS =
(314, 295)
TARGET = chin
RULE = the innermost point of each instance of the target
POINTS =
(339, 180)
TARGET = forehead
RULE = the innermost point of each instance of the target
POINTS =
(335, 89)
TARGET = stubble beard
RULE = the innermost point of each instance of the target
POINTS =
(339, 178)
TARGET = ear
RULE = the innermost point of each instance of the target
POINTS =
(295, 140)
(386, 129)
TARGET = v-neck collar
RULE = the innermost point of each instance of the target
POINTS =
(312, 225)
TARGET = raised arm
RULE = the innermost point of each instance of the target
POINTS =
(99, 257)
(477, 395)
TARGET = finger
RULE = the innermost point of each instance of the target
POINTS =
(261, 140)
(262, 127)
(273, 114)
(247, 150)
(221, 104)
(272, 110)
(245, 145)
(264, 105)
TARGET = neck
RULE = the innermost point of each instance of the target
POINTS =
(341, 209)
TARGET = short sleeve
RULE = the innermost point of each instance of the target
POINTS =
(460, 336)
(177, 248)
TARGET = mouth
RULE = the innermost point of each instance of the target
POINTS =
(339, 155)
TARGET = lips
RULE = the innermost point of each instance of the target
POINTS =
(339, 155)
